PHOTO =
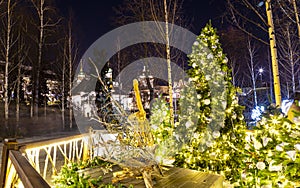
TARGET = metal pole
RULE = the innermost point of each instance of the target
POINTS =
(273, 49)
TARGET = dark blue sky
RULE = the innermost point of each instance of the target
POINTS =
(92, 19)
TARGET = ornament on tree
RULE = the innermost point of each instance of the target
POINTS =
(218, 141)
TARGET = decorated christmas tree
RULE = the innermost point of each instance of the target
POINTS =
(275, 153)
(215, 133)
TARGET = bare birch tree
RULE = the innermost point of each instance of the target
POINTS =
(296, 16)
(71, 56)
(22, 51)
(63, 98)
(253, 19)
(234, 70)
(290, 11)
(248, 17)
(169, 15)
(289, 57)
(44, 26)
(168, 56)
(70, 61)
(235, 46)
(8, 42)
(252, 51)
(289, 30)
(158, 11)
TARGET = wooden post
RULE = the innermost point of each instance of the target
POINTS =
(85, 152)
(9, 144)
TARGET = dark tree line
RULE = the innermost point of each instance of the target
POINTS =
(36, 41)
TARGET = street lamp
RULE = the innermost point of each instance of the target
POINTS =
(260, 71)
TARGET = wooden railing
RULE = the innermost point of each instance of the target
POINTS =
(33, 164)
(16, 171)
(20, 173)
(48, 156)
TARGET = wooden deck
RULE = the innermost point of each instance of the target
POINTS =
(176, 178)
(172, 177)
(185, 178)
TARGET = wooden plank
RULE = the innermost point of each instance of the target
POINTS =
(186, 178)
(28, 175)
(175, 178)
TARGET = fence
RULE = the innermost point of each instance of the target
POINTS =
(33, 164)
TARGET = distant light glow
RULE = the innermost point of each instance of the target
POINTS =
(260, 4)
(256, 112)
(285, 105)
(260, 70)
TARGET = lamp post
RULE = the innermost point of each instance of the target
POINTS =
(260, 71)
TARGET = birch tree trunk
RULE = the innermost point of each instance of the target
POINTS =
(252, 52)
(40, 9)
(234, 72)
(63, 89)
(22, 55)
(273, 49)
(70, 59)
(46, 25)
(7, 54)
(297, 17)
(40, 47)
(291, 60)
(169, 63)
(18, 87)
(160, 12)
(288, 48)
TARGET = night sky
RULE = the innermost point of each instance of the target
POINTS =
(92, 19)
